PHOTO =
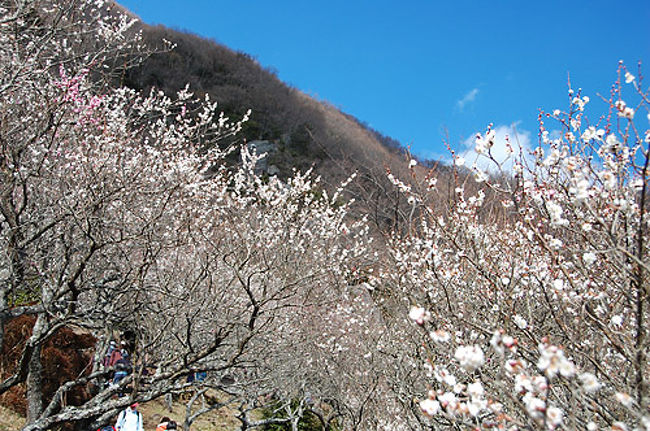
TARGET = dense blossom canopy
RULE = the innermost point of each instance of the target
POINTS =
(532, 291)
(511, 298)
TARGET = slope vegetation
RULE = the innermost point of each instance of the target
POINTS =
(305, 132)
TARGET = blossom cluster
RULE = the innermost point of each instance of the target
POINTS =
(525, 274)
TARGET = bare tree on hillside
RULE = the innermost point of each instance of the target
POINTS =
(117, 212)
(534, 316)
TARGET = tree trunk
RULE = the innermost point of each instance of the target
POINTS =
(4, 308)
(34, 382)
(169, 401)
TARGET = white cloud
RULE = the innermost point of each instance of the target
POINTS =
(508, 143)
(467, 98)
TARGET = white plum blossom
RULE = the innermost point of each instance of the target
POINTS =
(589, 258)
(552, 362)
(440, 336)
(624, 110)
(589, 382)
(617, 320)
(535, 407)
(430, 407)
(483, 144)
(520, 321)
(589, 134)
(609, 179)
(448, 400)
(523, 384)
(513, 366)
(556, 212)
(575, 123)
(476, 406)
(612, 143)
(509, 341)
(419, 315)
(580, 102)
(553, 266)
(475, 389)
(497, 342)
(554, 417)
(470, 358)
(442, 374)
(556, 243)
(540, 383)
(479, 175)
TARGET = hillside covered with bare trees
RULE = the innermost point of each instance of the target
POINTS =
(148, 253)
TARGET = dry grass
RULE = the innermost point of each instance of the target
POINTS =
(10, 420)
(218, 420)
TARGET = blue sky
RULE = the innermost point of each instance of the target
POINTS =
(419, 71)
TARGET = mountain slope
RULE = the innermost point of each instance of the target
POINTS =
(310, 130)
(305, 132)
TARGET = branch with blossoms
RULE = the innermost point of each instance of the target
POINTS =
(533, 314)
(118, 211)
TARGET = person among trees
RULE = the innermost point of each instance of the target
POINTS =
(123, 349)
(166, 424)
(196, 376)
(112, 347)
(122, 369)
(113, 354)
(129, 419)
